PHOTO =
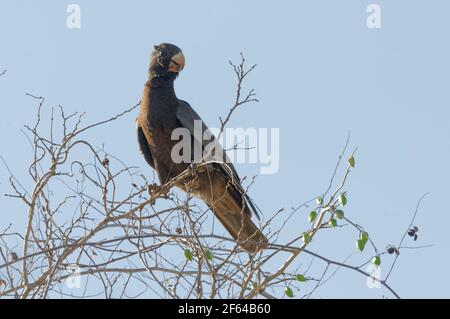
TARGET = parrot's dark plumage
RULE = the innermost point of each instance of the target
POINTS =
(217, 183)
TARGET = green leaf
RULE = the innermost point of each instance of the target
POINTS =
(360, 244)
(312, 216)
(376, 261)
(209, 255)
(288, 291)
(343, 200)
(351, 161)
(300, 278)
(339, 214)
(319, 200)
(362, 241)
(333, 222)
(188, 254)
(306, 237)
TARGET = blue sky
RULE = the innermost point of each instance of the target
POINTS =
(321, 73)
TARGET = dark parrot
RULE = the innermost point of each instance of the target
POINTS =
(216, 183)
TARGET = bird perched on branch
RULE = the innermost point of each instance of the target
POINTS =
(215, 182)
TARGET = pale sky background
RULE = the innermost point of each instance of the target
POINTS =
(321, 72)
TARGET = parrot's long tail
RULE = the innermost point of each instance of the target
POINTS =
(230, 205)
(238, 223)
